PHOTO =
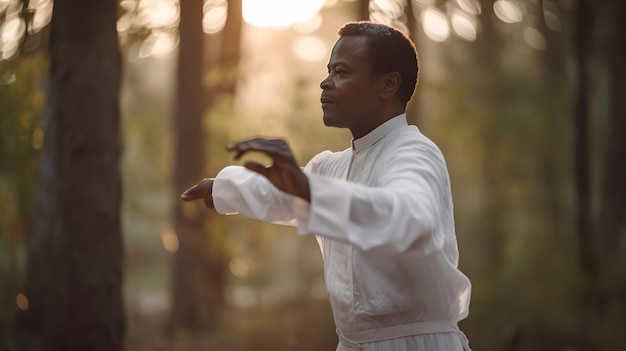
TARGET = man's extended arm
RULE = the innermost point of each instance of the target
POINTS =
(284, 171)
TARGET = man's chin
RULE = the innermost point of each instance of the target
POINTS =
(330, 122)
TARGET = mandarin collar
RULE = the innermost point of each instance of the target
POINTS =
(379, 132)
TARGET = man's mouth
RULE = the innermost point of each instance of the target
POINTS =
(326, 100)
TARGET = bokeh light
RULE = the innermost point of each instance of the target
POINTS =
(464, 25)
(22, 302)
(551, 15)
(310, 48)
(158, 43)
(435, 25)
(241, 267)
(215, 13)
(507, 11)
(279, 13)
(308, 26)
(170, 240)
(534, 39)
(470, 6)
(11, 33)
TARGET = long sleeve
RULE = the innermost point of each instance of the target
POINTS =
(402, 211)
(239, 190)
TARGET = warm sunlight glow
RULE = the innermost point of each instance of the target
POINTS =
(469, 6)
(464, 25)
(390, 9)
(309, 26)
(11, 32)
(158, 13)
(279, 13)
(241, 267)
(42, 15)
(435, 25)
(507, 11)
(215, 13)
(158, 44)
(22, 302)
(310, 48)
(170, 240)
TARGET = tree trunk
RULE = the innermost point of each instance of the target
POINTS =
(363, 10)
(75, 291)
(488, 54)
(613, 200)
(591, 302)
(230, 52)
(192, 306)
(200, 263)
(583, 39)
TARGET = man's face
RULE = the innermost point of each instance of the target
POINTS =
(350, 96)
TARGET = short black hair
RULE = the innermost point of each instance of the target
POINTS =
(388, 50)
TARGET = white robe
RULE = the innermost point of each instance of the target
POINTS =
(382, 213)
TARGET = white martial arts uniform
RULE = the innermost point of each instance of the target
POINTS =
(382, 213)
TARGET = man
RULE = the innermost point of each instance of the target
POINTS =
(381, 210)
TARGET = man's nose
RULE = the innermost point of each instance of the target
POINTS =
(325, 83)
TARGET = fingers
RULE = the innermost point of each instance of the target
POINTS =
(193, 193)
(202, 190)
(275, 148)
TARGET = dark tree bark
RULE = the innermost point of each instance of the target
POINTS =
(189, 308)
(230, 51)
(199, 265)
(489, 44)
(613, 210)
(590, 297)
(75, 261)
(582, 47)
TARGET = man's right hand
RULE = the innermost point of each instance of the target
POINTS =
(202, 190)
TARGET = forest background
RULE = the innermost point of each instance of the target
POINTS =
(109, 110)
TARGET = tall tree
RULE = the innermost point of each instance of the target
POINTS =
(583, 41)
(489, 50)
(363, 10)
(75, 260)
(613, 199)
(189, 308)
(200, 261)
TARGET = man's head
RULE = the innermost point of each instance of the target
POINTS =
(388, 50)
(372, 74)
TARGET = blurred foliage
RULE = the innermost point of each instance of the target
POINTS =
(21, 131)
(146, 167)
(508, 170)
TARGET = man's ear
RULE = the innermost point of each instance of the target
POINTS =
(391, 84)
